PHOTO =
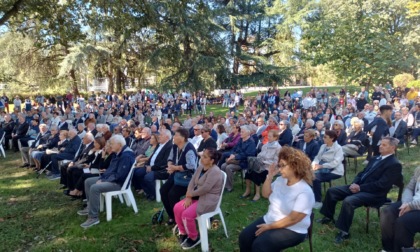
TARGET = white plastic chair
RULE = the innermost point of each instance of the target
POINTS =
(125, 192)
(1, 144)
(158, 182)
(204, 220)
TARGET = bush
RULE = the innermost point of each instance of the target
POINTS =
(402, 80)
(414, 83)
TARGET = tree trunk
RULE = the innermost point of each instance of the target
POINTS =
(74, 83)
(110, 77)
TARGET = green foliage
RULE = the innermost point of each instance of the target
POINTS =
(414, 83)
(401, 80)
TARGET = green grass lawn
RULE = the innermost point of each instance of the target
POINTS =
(36, 216)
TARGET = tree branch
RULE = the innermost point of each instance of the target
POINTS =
(13, 11)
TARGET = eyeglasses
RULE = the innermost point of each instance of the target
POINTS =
(281, 166)
(196, 129)
(281, 123)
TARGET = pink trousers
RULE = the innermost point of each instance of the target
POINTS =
(185, 218)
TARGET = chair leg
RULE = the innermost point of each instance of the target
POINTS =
(127, 199)
(108, 203)
(223, 222)
(121, 198)
(157, 190)
(203, 234)
(132, 201)
(2, 151)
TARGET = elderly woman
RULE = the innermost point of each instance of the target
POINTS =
(258, 166)
(401, 220)
(272, 125)
(328, 164)
(286, 135)
(355, 143)
(338, 127)
(202, 196)
(183, 158)
(291, 199)
(51, 143)
(232, 140)
(237, 158)
(310, 145)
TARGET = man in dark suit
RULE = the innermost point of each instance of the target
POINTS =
(155, 168)
(8, 127)
(382, 128)
(68, 154)
(76, 165)
(309, 145)
(63, 125)
(400, 127)
(19, 132)
(40, 139)
(369, 188)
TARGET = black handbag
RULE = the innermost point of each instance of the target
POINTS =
(182, 178)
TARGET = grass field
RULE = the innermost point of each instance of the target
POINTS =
(36, 216)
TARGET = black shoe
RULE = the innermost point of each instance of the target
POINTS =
(32, 166)
(325, 220)
(151, 198)
(341, 237)
(66, 192)
(189, 243)
(182, 238)
(24, 166)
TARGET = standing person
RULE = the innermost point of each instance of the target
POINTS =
(17, 103)
(203, 102)
(202, 196)
(6, 102)
(401, 220)
(379, 128)
(183, 158)
(291, 199)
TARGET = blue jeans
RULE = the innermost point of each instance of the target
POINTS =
(271, 240)
(319, 178)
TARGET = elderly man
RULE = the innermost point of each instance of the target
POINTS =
(19, 132)
(76, 165)
(399, 128)
(91, 128)
(8, 127)
(40, 139)
(197, 138)
(69, 153)
(155, 166)
(236, 159)
(369, 188)
(142, 141)
(111, 180)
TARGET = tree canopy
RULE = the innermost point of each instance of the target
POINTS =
(206, 44)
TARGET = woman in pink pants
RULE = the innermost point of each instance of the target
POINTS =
(202, 196)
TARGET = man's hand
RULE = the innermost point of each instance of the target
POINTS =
(71, 164)
(148, 169)
(354, 188)
(262, 228)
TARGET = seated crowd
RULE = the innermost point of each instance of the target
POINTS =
(92, 147)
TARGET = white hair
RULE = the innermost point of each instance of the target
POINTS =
(246, 128)
(311, 122)
(166, 132)
(90, 136)
(119, 139)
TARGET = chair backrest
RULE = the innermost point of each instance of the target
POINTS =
(127, 182)
(223, 189)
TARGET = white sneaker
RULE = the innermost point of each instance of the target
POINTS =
(317, 205)
(414, 142)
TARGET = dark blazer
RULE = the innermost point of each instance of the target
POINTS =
(73, 146)
(8, 127)
(286, 137)
(83, 155)
(43, 139)
(359, 140)
(21, 129)
(341, 139)
(312, 148)
(161, 161)
(400, 131)
(63, 126)
(379, 180)
(381, 130)
(77, 121)
(52, 142)
(209, 143)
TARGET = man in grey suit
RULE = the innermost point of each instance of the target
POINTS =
(399, 127)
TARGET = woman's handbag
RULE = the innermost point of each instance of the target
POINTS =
(255, 165)
(182, 178)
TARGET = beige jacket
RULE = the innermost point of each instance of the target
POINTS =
(208, 187)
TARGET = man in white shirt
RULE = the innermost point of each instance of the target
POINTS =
(370, 114)
(196, 140)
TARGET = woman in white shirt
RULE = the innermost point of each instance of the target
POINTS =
(328, 164)
(291, 200)
(221, 135)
